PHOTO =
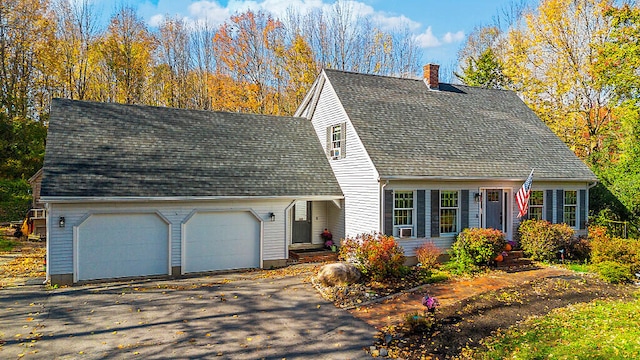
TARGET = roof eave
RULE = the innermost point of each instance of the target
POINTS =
(478, 178)
(109, 199)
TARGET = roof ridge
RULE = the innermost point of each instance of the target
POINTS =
(413, 78)
(156, 107)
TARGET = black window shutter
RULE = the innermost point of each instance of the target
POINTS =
(388, 212)
(559, 206)
(464, 205)
(435, 213)
(549, 206)
(583, 209)
(421, 213)
(343, 140)
(328, 145)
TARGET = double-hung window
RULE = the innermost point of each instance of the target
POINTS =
(336, 141)
(570, 207)
(449, 212)
(536, 204)
(403, 213)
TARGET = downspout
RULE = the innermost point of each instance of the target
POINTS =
(382, 204)
(586, 201)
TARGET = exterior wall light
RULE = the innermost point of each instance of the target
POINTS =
(477, 197)
(61, 221)
(272, 216)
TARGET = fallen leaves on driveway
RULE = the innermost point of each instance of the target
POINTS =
(29, 263)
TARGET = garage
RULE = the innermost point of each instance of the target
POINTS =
(221, 241)
(122, 245)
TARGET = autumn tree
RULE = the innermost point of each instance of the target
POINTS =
(174, 56)
(126, 51)
(618, 66)
(549, 61)
(75, 49)
(25, 40)
(342, 39)
(245, 48)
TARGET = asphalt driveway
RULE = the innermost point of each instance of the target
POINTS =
(232, 316)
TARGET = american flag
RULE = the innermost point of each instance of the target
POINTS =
(522, 197)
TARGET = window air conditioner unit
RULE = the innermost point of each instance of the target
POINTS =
(406, 232)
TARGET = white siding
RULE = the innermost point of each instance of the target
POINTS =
(355, 173)
(60, 240)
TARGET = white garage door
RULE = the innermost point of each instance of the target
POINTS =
(221, 241)
(122, 245)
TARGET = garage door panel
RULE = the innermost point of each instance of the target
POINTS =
(221, 241)
(122, 245)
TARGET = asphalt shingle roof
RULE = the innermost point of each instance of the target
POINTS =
(457, 131)
(114, 150)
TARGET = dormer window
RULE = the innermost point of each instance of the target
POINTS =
(336, 138)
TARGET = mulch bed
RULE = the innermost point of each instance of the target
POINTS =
(464, 324)
(352, 295)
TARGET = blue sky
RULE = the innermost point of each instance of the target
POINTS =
(439, 26)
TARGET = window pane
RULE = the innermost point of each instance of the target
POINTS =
(448, 220)
(448, 199)
(570, 215)
(536, 198)
(570, 197)
(403, 217)
(535, 213)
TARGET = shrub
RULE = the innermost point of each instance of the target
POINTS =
(475, 247)
(613, 272)
(542, 240)
(607, 249)
(376, 255)
(15, 199)
(427, 255)
(578, 249)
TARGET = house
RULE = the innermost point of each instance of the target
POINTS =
(422, 160)
(137, 191)
(35, 226)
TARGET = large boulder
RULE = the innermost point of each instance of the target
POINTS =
(338, 274)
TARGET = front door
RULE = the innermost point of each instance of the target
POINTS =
(494, 209)
(302, 223)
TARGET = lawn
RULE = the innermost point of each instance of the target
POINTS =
(599, 329)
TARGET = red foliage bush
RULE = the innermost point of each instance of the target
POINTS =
(427, 255)
(376, 255)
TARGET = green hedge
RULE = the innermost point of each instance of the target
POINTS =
(15, 199)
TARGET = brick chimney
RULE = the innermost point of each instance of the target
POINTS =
(431, 76)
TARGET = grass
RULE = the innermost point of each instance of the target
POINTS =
(599, 330)
(581, 268)
(7, 244)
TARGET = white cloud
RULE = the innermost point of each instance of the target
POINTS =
(156, 20)
(427, 39)
(453, 37)
(208, 10)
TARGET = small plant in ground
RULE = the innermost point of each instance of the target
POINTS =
(417, 323)
(475, 247)
(427, 255)
(7, 244)
(614, 272)
(542, 240)
(376, 255)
